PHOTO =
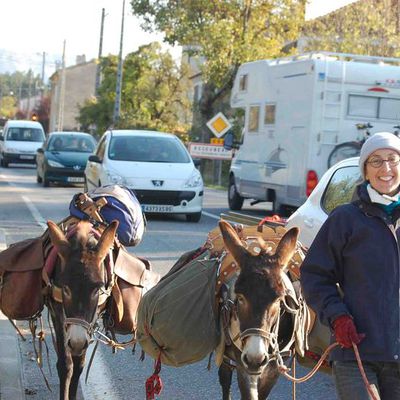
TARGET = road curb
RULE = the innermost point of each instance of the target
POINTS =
(10, 361)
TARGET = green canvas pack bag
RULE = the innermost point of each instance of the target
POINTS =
(178, 318)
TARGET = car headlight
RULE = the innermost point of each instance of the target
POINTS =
(195, 180)
(116, 179)
(10, 150)
(56, 164)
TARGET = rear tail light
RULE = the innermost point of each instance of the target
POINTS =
(311, 181)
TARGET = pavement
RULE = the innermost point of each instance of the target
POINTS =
(11, 387)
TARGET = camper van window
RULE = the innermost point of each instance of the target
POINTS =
(363, 106)
(374, 107)
(389, 109)
(254, 116)
(269, 117)
(243, 83)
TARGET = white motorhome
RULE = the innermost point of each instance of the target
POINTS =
(297, 110)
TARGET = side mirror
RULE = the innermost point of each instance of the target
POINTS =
(196, 162)
(230, 142)
(94, 158)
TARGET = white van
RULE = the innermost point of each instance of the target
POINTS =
(298, 111)
(19, 142)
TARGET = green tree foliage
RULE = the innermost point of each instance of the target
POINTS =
(8, 107)
(223, 33)
(16, 86)
(364, 27)
(154, 93)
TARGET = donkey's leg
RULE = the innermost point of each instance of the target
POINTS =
(78, 363)
(64, 361)
(225, 380)
(267, 381)
(247, 385)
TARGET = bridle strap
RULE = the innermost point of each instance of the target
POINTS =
(81, 322)
(257, 332)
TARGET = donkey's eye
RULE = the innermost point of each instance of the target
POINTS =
(66, 292)
(240, 298)
(95, 292)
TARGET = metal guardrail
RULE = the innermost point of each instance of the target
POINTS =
(248, 220)
(238, 218)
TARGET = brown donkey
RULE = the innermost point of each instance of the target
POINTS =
(80, 285)
(264, 326)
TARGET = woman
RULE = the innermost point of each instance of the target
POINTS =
(357, 249)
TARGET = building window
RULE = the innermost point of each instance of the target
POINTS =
(243, 83)
(269, 116)
(254, 116)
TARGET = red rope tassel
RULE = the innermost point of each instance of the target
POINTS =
(154, 384)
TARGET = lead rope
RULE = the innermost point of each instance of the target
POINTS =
(283, 370)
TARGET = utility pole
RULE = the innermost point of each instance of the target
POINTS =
(100, 52)
(61, 97)
(42, 77)
(117, 104)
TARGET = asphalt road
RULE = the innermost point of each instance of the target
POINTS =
(24, 208)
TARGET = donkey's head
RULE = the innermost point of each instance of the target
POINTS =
(81, 275)
(259, 290)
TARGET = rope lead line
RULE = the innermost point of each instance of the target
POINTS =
(283, 369)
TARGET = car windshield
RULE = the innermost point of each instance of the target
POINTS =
(71, 143)
(147, 149)
(25, 134)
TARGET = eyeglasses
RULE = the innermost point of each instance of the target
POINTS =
(377, 162)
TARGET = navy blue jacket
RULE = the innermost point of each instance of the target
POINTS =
(358, 248)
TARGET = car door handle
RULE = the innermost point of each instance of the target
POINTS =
(309, 222)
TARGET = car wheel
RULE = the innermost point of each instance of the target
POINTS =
(46, 182)
(193, 217)
(235, 201)
(5, 163)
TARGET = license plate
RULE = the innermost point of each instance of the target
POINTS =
(75, 179)
(156, 208)
(26, 157)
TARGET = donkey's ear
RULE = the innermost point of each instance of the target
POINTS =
(107, 239)
(232, 242)
(287, 246)
(58, 239)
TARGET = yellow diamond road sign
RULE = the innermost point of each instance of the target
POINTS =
(219, 125)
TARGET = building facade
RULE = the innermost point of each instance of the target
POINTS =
(70, 88)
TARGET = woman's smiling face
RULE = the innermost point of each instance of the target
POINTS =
(386, 178)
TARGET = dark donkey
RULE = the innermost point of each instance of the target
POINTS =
(258, 306)
(80, 282)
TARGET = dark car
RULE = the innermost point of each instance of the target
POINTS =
(62, 159)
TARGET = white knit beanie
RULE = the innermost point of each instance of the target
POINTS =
(380, 140)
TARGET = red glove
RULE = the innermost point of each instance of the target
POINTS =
(346, 332)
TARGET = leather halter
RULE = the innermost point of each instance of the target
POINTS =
(56, 292)
(236, 338)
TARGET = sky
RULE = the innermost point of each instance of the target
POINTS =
(30, 27)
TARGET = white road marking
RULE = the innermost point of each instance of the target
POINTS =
(3, 244)
(207, 214)
(35, 212)
(99, 385)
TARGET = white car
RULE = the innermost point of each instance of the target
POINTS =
(155, 165)
(336, 187)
